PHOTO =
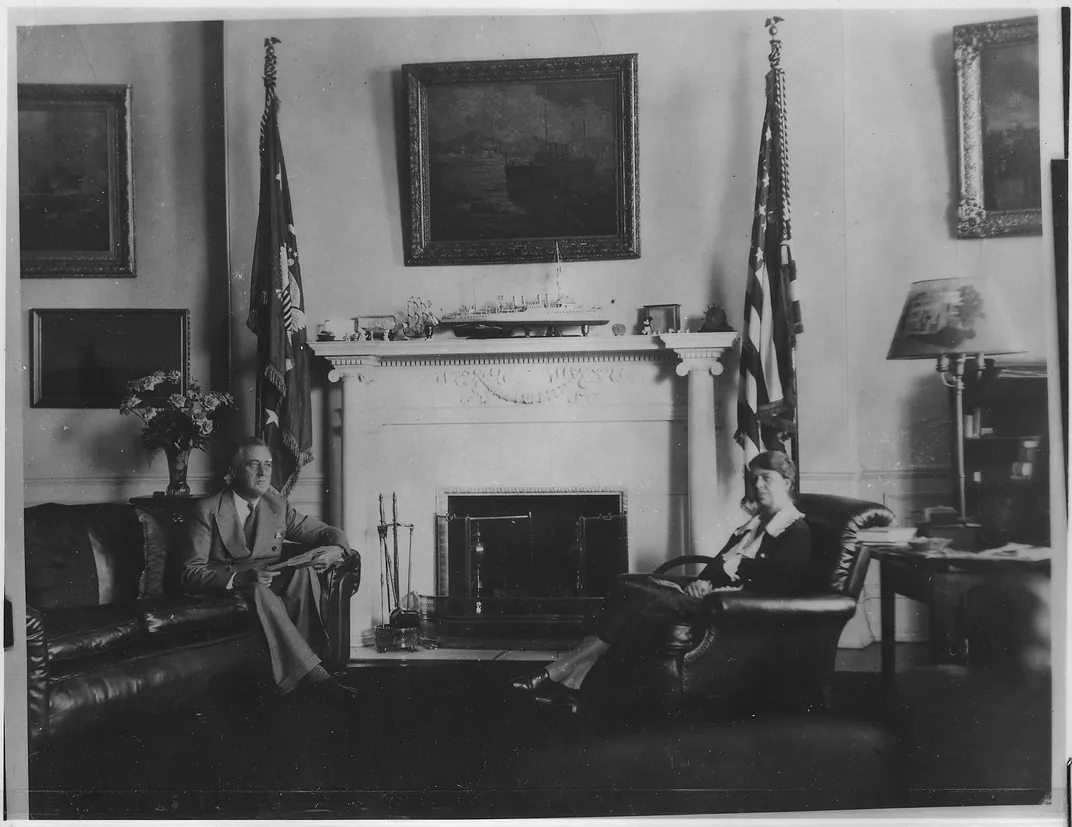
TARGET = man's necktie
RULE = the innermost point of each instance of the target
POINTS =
(250, 525)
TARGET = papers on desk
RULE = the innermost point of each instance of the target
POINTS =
(1017, 551)
(885, 536)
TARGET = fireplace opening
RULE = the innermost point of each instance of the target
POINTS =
(528, 569)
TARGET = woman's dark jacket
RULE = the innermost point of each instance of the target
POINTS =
(780, 566)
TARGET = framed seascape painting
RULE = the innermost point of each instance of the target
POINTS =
(76, 214)
(85, 358)
(511, 160)
(998, 115)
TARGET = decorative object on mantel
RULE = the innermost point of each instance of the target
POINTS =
(714, 320)
(371, 328)
(508, 158)
(336, 330)
(954, 320)
(662, 318)
(500, 318)
(767, 415)
(998, 117)
(618, 329)
(419, 321)
(175, 420)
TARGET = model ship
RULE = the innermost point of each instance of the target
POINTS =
(503, 316)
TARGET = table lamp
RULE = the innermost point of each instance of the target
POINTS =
(954, 320)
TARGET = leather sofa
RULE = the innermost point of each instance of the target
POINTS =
(108, 630)
(755, 648)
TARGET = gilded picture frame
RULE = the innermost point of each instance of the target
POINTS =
(998, 137)
(85, 358)
(76, 211)
(522, 160)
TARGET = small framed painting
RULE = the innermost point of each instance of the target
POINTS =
(511, 160)
(998, 116)
(76, 215)
(85, 358)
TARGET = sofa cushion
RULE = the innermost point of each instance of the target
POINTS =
(193, 613)
(60, 567)
(78, 632)
(119, 546)
(156, 538)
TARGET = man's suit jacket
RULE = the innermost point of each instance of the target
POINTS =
(780, 566)
(214, 545)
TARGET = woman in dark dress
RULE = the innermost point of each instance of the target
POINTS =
(769, 554)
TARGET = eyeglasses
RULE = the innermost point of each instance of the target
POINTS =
(253, 465)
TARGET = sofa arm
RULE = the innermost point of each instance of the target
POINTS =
(37, 675)
(342, 582)
(742, 607)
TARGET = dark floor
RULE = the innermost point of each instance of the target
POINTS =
(448, 740)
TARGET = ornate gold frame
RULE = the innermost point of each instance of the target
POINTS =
(974, 220)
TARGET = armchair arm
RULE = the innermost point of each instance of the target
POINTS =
(684, 560)
(37, 675)
(742, 607)
(343, 581)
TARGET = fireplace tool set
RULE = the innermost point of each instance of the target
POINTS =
(402, 627)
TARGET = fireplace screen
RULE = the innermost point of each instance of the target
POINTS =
(524, 567)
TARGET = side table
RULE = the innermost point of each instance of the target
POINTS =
(940, 580)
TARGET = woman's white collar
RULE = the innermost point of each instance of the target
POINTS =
(778, 523)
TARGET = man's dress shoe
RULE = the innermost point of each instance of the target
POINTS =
(553, 693)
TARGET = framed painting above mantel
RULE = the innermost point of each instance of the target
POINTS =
(998, 115)
(522, 160)
(76, 215)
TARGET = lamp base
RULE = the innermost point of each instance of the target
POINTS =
(965, 536)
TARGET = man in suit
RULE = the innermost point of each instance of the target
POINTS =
(234, 536)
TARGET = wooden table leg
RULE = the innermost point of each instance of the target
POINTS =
(886, 618)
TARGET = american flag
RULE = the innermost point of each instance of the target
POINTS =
(277, 307)
(766, 399)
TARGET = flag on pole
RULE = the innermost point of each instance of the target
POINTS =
(277, 307)
(766, 396)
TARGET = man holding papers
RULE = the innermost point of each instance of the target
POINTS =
(234, 543)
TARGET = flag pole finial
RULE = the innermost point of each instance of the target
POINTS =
(775, 45)
(270, 61)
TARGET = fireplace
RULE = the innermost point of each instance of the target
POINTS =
(525, 568)
(596, 416)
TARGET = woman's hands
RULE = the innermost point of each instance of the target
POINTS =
(698, 588)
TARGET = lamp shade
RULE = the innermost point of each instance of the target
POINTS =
(952, 316)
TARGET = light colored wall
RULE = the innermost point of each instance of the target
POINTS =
(180, 236)
(872, 149)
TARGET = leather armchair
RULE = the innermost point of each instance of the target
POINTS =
(772, 649)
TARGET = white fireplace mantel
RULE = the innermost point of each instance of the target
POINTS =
(692, 349)
(572, 361)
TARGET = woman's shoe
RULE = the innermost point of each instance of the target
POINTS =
(555, 694)
(532, 681)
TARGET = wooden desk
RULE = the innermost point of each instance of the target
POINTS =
(941, 581)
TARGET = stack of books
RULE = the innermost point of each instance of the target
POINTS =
(1023, 468)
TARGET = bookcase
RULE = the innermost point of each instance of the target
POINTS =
(1006, 452)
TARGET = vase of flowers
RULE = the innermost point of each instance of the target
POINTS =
(175, 421)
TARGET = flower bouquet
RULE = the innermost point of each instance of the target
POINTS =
(175, 421)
